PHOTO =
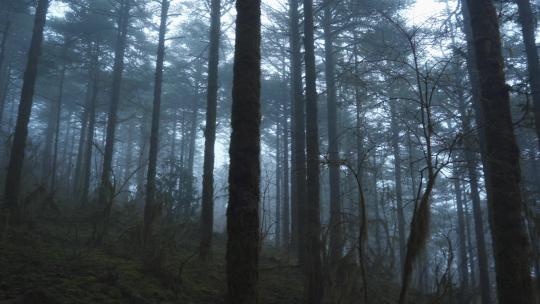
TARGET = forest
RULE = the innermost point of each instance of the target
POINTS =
(272, 152)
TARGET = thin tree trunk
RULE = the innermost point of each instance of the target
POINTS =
(398, 187)
(477, 209)
(207, 210)
(106, 187)
(298, 137)
(462, 253)
(278, 187)
(5, 36)
(14, 171)
(285, 214)
(150, 211)
(58, 120)
(244, 170)
(510, 241)
(4, 94)
(86, 170)
(335, 223)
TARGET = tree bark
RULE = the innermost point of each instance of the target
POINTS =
(150, 210)
(335, 223)
(528, 24)
(510, 241)
(285, 214)
(398, 186)
(14, 171)
(58, 119)
(313, 270)
(207, 210)
(106, 187)
(278, 187)
(86, 170)
(298, 137)
(462, 250)
(244, 170)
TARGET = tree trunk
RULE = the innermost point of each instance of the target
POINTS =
(462, 253)
(335, 223)
(4, 94)
(510, 242)
(398, 188)
(285, 214)
(58, 120)
(298, 137)
(278, 187)
(313, 286)
(86, 170)
(244, 170)
(207, 210)
(106, 187)
(149, 208)
(528, 25)
(475, 197)
(14, 171)
(5, 35)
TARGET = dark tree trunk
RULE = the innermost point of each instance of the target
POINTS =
(58, 120)
(5, 36)
(244, 170)
(511, 247)
(528, 25)
(313, 268)
(149, 209)
(207, 211)
(475, 197)
(106, 190)
(462, 253)
(86, 170)
(14, 171)
(335, 223)
(82, 135)
(398, 189)
(278, 187)
(298, 137)
(285, 214)
(4, 94)
(192, 151)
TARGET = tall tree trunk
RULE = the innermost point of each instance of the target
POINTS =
(313, 269)
(14, 171)
(82, 135)
(244, 170)
(207, 210)
(528, 25)
(278, 187)
(192, 150)
(106, 187)
(58, 119)
(462, 253)
(149, 208)
(335, 223)
(86, 170)
(470, 162)
(285, 214)
(5, 36)
(510, 241)
(4, 94)
(398, 187)
(298, 137)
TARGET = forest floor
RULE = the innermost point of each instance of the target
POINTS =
(51, 260)
(52, 263)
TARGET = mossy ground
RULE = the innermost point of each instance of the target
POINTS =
(54, 263)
